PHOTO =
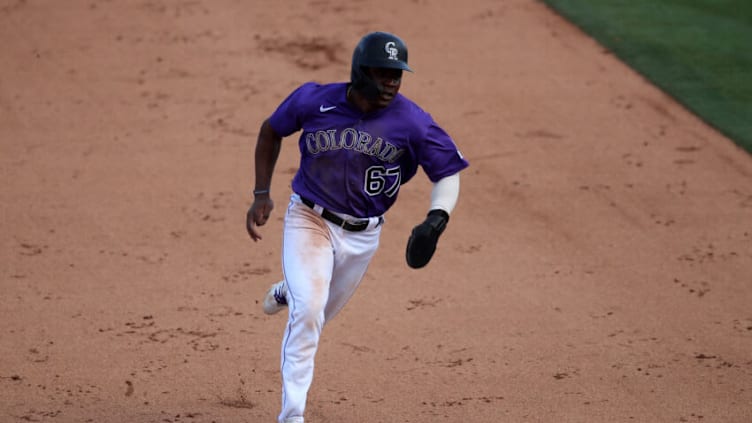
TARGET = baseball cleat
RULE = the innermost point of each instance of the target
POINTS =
(276, 298)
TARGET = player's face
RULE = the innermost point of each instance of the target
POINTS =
(389, 80)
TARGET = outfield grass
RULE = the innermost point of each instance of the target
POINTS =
(697, 51)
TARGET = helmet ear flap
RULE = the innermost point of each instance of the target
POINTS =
(364, 84)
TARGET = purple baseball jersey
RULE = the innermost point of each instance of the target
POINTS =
(354, 162)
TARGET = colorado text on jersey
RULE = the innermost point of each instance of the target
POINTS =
(352, 139)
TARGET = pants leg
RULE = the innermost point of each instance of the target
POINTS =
(323, 265)
(307, 261)
(351, 260)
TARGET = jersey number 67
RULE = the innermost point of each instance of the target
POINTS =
(377, 179)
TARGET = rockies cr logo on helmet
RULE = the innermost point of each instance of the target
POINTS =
(391, 49)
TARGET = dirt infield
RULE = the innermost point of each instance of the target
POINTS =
(598, 267)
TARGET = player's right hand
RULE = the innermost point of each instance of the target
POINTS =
(257, 215)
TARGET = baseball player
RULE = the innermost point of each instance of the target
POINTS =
(360, 142)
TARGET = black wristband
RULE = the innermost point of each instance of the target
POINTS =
(439, 212)
(438, 220)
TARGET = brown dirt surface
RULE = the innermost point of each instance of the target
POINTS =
(598, 267)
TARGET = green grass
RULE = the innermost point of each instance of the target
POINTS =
(697, 51)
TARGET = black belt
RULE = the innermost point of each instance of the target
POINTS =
(342, 223)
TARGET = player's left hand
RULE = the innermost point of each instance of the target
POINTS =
(257, 215)
(422, 242)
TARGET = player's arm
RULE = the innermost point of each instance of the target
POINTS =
(267, 152)
(422, 242)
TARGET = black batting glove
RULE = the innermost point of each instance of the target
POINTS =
(422, 242)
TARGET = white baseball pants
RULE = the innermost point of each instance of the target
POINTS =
(323, 265)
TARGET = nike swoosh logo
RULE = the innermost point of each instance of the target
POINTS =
(323, 109)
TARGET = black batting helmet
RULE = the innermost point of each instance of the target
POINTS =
(377, 50)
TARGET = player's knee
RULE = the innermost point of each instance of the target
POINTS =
(310, 313)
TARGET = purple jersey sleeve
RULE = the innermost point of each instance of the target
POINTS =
(355, 163)
(437, 153)
(286, 120)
